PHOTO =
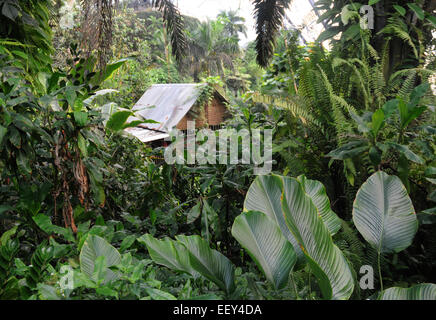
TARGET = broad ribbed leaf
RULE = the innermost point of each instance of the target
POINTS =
(418, 10)
(93, 248)
(156, 294)
(265, 243)
(349, 150)
(45, 224)
(111, 68)
(209, 263)
(325, 259)
(264, 195)
(409, 154)
(318, 194)
(168, 253)
(423, 291)
(400, 10)
(384, 214)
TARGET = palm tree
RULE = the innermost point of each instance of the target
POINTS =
(210, 49)
(97, 25)
(161, 39)
(269, 16)
(234, 24)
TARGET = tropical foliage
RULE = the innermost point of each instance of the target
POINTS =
(89, 212)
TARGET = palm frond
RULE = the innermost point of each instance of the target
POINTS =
(96, 28)
(174, 25)
(269, 15)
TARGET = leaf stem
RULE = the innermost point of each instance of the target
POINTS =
(295, 286)
(379, 271)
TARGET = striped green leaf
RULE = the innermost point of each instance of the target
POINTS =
(423, 291)
(264, 195)
(267, 246)
(209, 263)
(318, 194)
(325, 259)
(384, 214)
(168, 253)
(94, 248)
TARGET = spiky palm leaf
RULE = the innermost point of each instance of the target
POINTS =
(269, 16)
(174, 25)
(96, 27)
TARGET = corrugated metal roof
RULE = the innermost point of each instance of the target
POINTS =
(166, 104)
(145, 135)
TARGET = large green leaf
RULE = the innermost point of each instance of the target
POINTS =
(325, 259)
(46, 225)
(265, 243)
(384, 214)
(109, 70)
(209, 263)
(423, 291)
(156, 294)
(168, 253)
(417, 94)
(93, 248)
(349, 150)
(409, 154)
(7, 235)
(378, 120)
(318, 194)
(418, 10)
(400, 9)
(409, 112)
(264, 195)
(118, 119)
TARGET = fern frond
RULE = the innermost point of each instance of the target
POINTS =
(408, 86)
(398, 28)
(294, 105)
(362, 75)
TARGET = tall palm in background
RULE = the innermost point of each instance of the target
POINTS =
(97, 24)
(394, 22)
(269, 16)
(234, 24)
(209, 51)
